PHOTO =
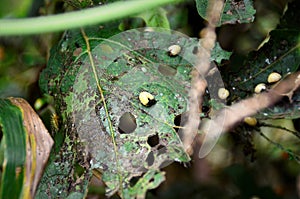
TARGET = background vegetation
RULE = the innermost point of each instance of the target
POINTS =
(259, 161)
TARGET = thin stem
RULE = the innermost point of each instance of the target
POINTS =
(297, 134)
(294, 155)
(77, 19)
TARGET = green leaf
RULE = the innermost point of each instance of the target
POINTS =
(234, 11)
(282, 55)
(151, 180)
(14, 147)
(75, 195)
(95, 95)
(218, 54)
(61, 169)
(155, 18)
(122, 75)
(80, 4)
(139, 62)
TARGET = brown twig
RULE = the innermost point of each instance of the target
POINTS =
(199, 83)
(251, 106)
(228, 117)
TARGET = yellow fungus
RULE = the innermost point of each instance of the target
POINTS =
(260, 87)
(223, 93)
(174, 50)
(251, 121)
(146, 98)
(274, 77)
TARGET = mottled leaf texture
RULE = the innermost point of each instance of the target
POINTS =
(97, 93)
(80, 4)
(233, 12)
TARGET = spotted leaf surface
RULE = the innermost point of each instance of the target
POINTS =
(97, 80)
(233, 12)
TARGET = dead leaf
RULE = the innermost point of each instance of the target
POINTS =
(38, 146)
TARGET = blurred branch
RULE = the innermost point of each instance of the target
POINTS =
(77, 19)
(254, 104)
(199, 84)
(237, 112)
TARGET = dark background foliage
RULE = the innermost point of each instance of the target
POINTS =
(247, 162)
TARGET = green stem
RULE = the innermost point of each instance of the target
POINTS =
(77, 19)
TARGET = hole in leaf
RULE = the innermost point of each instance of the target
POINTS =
(167, 70)
(177, 121)
(150, 159)
(153, 140)
(151, 180)
(205, 111)
(180, 120)
(134, 180)
(127, 123)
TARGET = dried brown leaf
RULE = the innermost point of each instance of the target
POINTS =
(38, 146)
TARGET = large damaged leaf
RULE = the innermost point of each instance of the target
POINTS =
(97, 83)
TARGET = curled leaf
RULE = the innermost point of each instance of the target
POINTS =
(38, 145)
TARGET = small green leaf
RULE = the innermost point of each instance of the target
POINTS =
(155, 18)
(151, 180)
(234, 11)
(218, 54)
